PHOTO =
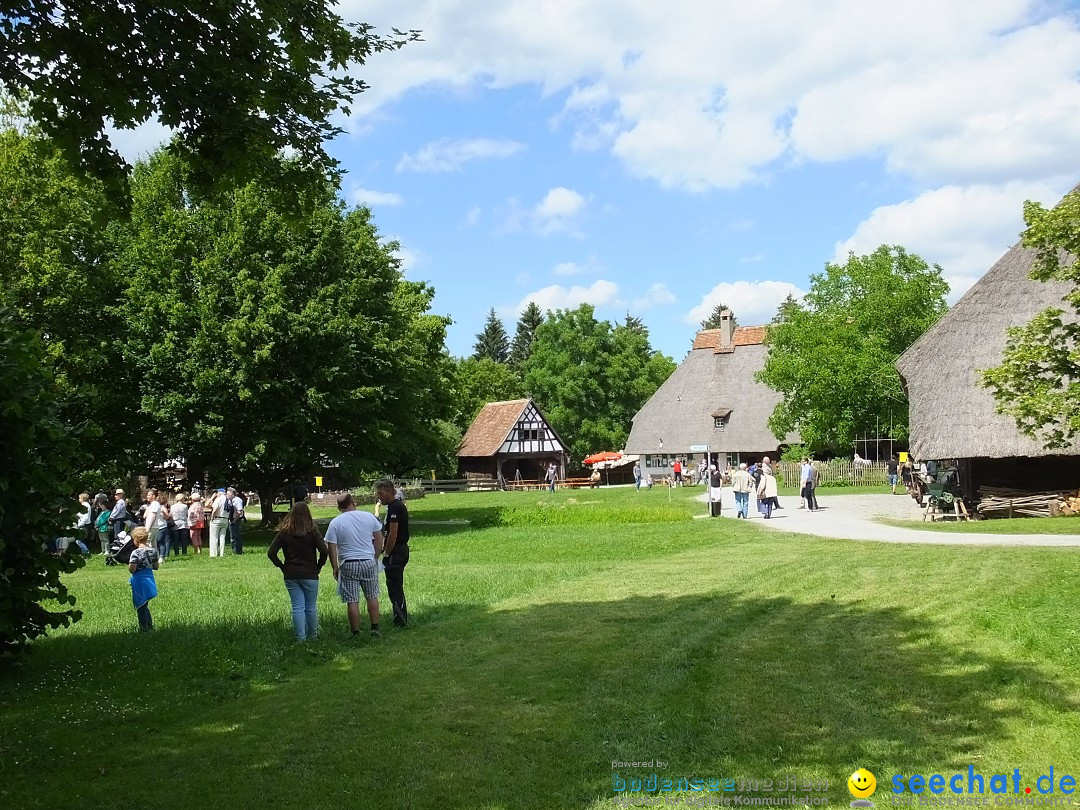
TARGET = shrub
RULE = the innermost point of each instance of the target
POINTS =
(36, 493)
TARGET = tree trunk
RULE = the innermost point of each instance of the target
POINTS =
(266, 505)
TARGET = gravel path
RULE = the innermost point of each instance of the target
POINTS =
(851, 517)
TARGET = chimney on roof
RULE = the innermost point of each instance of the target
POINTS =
(727, 328)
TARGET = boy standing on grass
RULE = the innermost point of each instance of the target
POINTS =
(142, 565)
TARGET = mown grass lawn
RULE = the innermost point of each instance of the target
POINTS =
(552, 636)
(1066, 524)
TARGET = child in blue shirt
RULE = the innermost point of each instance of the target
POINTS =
(143, 563)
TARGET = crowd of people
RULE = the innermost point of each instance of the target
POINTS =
(173, 523)
(358, 545)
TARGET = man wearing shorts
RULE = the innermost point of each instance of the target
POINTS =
(892, 466)
(355, 540)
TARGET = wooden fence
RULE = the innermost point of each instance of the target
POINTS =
(839, 472)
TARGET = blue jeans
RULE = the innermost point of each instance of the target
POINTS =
(236, 535)
(164, 542)
(742, 503)
(304, 595)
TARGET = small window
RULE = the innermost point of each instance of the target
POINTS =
(719, 422)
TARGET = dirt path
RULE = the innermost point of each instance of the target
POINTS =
(851, 517)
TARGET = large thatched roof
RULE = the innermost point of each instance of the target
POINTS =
(713, 379)
(951, 414)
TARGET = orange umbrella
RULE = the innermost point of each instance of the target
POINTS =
(597, 458)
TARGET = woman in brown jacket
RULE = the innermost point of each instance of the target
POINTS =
(299, 538)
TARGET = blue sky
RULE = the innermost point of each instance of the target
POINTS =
(658, 158)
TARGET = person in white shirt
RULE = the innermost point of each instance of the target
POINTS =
(150, 519)
(219, 524)
(355, 540)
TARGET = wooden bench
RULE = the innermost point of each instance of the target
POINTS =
(577, 483)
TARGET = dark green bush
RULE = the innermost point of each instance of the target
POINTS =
(37, 494)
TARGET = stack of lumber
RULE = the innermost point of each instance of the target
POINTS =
(1006, 502)
(1070, 504)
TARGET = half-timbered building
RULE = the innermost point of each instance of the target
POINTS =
(511, 441)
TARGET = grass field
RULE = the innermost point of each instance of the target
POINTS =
(1066, 524)
(553, 635)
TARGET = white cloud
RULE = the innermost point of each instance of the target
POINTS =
(965, 229)
(753, 302)
(657, 295)
(600, 293)
(558, 211)
(591, 265)
(409, 257)
(449, 156)
(473, 217)
(365, 196)
(948, 93)
(754, 259)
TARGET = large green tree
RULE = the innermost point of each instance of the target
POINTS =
(1038, 382)
(267, 343)
(590, 378)
(832, 356)
(36, 491)
(492, 341)
(237, 81)
(529, 321)
(480, 381)
(56, 278)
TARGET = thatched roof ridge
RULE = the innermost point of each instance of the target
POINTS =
(951, 414)
(681, 411)
(491, 427)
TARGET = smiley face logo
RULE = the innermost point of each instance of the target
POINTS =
(862, 784)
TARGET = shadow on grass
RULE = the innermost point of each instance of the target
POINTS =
(529, 707)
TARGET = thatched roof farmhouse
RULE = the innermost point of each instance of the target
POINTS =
(951, 415)
(711, 399)
(510, 438)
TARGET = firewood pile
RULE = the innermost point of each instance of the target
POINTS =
(1005, 502)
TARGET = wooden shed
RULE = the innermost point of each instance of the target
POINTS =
(509, 441)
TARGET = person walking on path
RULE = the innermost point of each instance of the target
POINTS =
(742, 483)
(806, 482)
(196, 521)
(219, 524)
(299, 538)
(767, 493)
(637, 475)
(236, 520)
(396, 551)
(142, 565)
(892, 467)
(179, 528)
(355, 541)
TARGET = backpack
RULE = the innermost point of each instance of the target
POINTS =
(228, 509)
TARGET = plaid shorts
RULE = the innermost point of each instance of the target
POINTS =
(356, 576)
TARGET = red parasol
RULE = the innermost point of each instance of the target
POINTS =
(597, 458)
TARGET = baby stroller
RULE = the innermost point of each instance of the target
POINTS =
(120, 550)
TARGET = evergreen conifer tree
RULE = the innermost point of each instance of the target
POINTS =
(492, 342)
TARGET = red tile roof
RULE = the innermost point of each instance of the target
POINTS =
(744, 336)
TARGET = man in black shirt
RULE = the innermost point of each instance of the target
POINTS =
(891, 466)
(396, 552)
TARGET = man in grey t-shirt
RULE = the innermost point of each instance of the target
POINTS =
(355, 540)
